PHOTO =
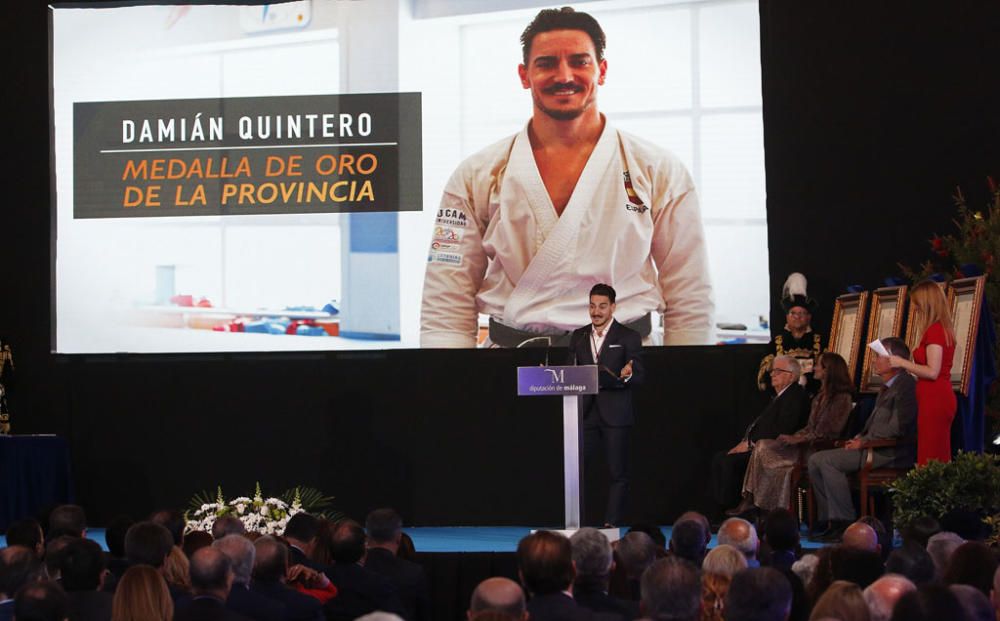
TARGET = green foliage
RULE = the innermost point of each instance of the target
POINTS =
(970, 481)
(313, 501)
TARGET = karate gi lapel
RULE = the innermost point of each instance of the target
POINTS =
(556, 249)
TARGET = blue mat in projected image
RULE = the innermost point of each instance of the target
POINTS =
(460, 538)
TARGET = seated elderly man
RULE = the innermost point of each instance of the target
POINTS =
(894, 418)
(785, 414)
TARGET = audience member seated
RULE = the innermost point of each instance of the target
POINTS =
(407, 551)
(913, 562)
(385, 530)
(635, 552)
(173, 521)
(177, 570)
(687, 540)
(228, 525)
(893, 418)
(27, 533)
(882, 595)
(717, 571)
(545, 566)
(53, 555)
(83, 569)
(974, 564)
(359, 590)
(43, 600)
(783, 415)
(270, 579)
(761, 594)
(977, 606)
(142, 595)
(781, 539)
(941, 546)
(301, 533)
(767, 484)
(691, 515)
(930, 602)
(742, 535)
(805, 568)
(497, 596)
(883, 536)
(114, 537)
(196, 540)
(67, 520)
(240, 552)
(843, 601)
(147, 543)
(862, 537)
(593, 560)
(211, 581)
(18, 567)
(671, 589)
(656, 533)
(862, 567)
(920, 530)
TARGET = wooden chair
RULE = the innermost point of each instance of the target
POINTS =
(871, 478)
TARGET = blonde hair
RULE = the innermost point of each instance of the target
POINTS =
(843, 601)
(142, 595)
(932, 307)
(177, 569)
(724, 560)
(713, 596)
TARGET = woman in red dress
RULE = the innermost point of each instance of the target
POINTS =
(936, 403)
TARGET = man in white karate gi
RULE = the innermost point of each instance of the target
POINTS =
(528, 225)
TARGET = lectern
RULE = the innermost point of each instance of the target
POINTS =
(569, 382)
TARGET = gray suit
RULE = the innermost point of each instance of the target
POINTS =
(894, 416)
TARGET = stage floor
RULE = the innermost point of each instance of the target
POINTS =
(462, 538)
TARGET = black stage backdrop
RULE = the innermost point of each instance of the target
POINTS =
(873, 113)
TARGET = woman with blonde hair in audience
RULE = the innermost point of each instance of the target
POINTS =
(936, 403)
(720, 565)
(177, 570)
(142, 595)
(843, 601)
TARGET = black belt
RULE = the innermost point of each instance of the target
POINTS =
(506, 336)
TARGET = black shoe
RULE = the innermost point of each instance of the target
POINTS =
(746, 505)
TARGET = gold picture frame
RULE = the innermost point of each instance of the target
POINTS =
(965, 296)
(848, 325)
(884, 320)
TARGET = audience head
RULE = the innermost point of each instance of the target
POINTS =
(270, 560)
(861, 537)
(974, 564)
(545, 563)
(882, 595)
(941, 546)
(636, 551)
(347, 544)
(378, 615)
(671, 589)
(654, 532)
(930, 602)
(805, 567)
(114, 535)
(781, 530)
(691, 515)
(196, 540)
(406, 549)
(835, 376)
(497, 595)
(67, 520)
(862, 567)
(142, 595)
(884, 536)
(687, 540)
(301, 531)
(761, 594)
(176, 570)
(173, 521)
(18, 566)
(920, 530)
(147, 543)
(785, 371)
(592, 557)
(54, 553)
(240, 552)
(843, 601)
(740, 534)
(27, 533)
(82, 565)
(913, 561)
(41, 601)
(724, 560)
(211, 573)
(977, 606)
(384, 527)
(228, 525)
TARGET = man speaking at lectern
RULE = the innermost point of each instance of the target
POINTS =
(607, 417)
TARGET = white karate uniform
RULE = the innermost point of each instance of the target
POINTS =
(500, 248)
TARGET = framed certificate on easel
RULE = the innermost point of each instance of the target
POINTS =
(848, 326)
(965, 297)
(885, 320)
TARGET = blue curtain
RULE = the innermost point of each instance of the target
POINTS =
(972, 408)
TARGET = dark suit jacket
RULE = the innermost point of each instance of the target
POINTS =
(254, 605)
(298, 557)
(89, 605)
(206, 609)
(599, 601)
(561, 607)
(786, 413)
(895, 416)
(298, 606)
(621, 344)
(359, 591)
(410, 580)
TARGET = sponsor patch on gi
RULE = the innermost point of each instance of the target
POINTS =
(447, 234)
(634, 202)
(440, 246)
(449, 258)
(452, 217)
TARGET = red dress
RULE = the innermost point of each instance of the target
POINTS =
(936, 403)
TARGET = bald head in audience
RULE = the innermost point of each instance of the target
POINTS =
(211, 573)
(497, 595)
(882, 595)
(742, 535)
(941, 546)
(862, 537)
(701, 519)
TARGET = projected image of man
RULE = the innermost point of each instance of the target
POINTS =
(529, 224)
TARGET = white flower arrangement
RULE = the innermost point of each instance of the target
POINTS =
(267, 516)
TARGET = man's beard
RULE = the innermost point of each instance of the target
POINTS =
(562, 114)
